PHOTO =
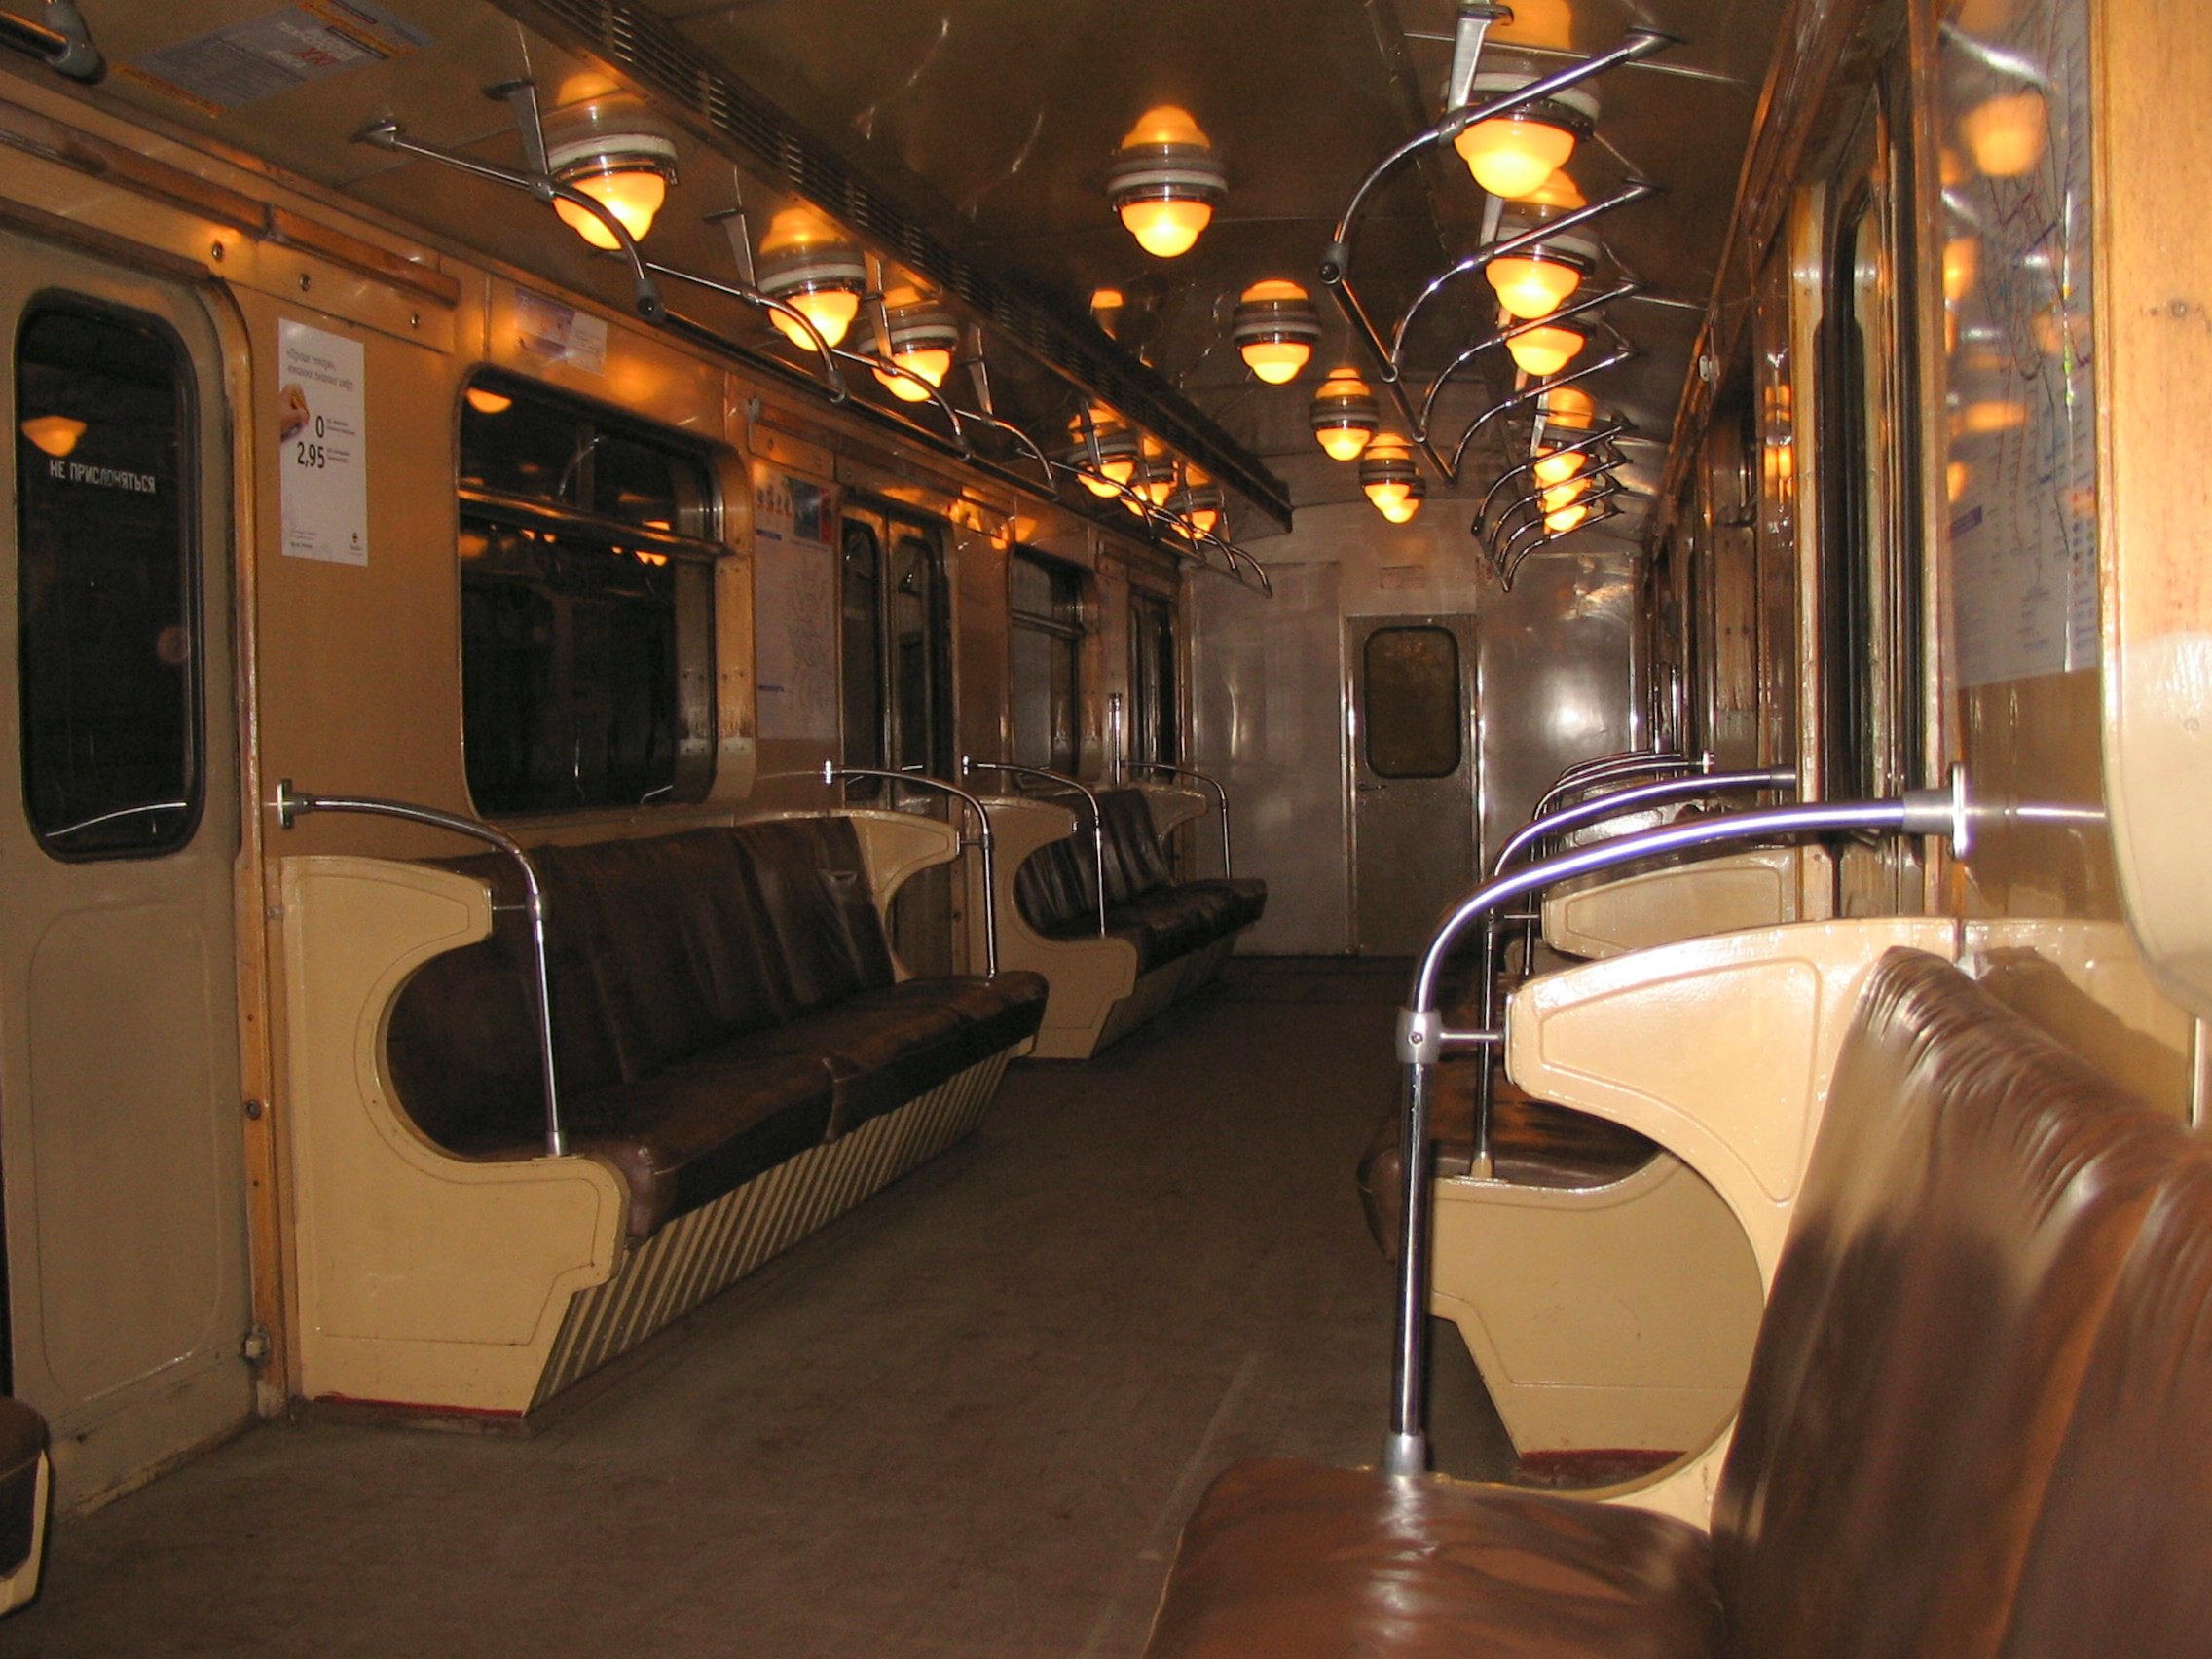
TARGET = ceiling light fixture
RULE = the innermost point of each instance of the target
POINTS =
(1344, 415)
(1401, 510)
(1512, 155)
(1167, 182)
(1543, 277)
(1387, 471)
(1198, 503)
(1276, 329)
(814, 268)
(609, 150)
(1558, 465)
(1153, 475)
(920, 339)
(2006, 134)
(56, 435)
(1561, 496)
(1547, 349)
(1567, 406)
(1106, 459)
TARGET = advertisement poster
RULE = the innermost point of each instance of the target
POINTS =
(322, 421)
(795, 606)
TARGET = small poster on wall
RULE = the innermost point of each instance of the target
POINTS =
(795, 607)
(322, 446)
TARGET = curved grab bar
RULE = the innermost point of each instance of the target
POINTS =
(1335, 260)
(385, 133)
(969, 764)
(1581, 445)
(1634, 191)
(1626, 291)
(1620, 803)
(1422, 1040)
(1597, 763)
(291, 804)
(1530, 392)
(833, 774)
(1610, 511)
(1598, 809)
(1622, 767)
(1220, 796)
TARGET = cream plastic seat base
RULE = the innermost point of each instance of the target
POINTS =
(1764, 887)
(1603, 1319)
(436, 1282)
(1720, 1050)
(1097, 996)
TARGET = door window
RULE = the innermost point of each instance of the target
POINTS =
(1414, 718)
(109, 632)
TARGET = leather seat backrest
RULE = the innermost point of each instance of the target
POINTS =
(460, 1044)
(1135, 863)
(2118, 1561)
(1056, 887)
(1972, 1195)
(811, 884)
(657, 950)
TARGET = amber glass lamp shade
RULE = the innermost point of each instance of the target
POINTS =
(1166, 182)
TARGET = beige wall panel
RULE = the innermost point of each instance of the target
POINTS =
(360, 666)
(1712, 896)
(2154, 352)
(1721, 1050)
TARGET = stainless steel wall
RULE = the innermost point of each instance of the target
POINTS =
(1555, 677)
(1555, 671)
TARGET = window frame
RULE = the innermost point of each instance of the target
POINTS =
(1067, 622)
(689, 547)
(1155, 700)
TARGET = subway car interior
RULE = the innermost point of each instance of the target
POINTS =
(1106, 827)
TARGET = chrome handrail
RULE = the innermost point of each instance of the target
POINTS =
(1598, 809)
(291, 804)
(1423, 1040)
(970, 764)
(1619, 803)
(833, 774)
(1627, 766)
(1599, 762)
(1220, 796)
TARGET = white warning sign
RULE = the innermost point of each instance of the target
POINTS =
(321, 435)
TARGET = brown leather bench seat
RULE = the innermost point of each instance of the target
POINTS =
(1973, 1424)
(722, 1000)
(1057, 889)
(1533, 1143)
